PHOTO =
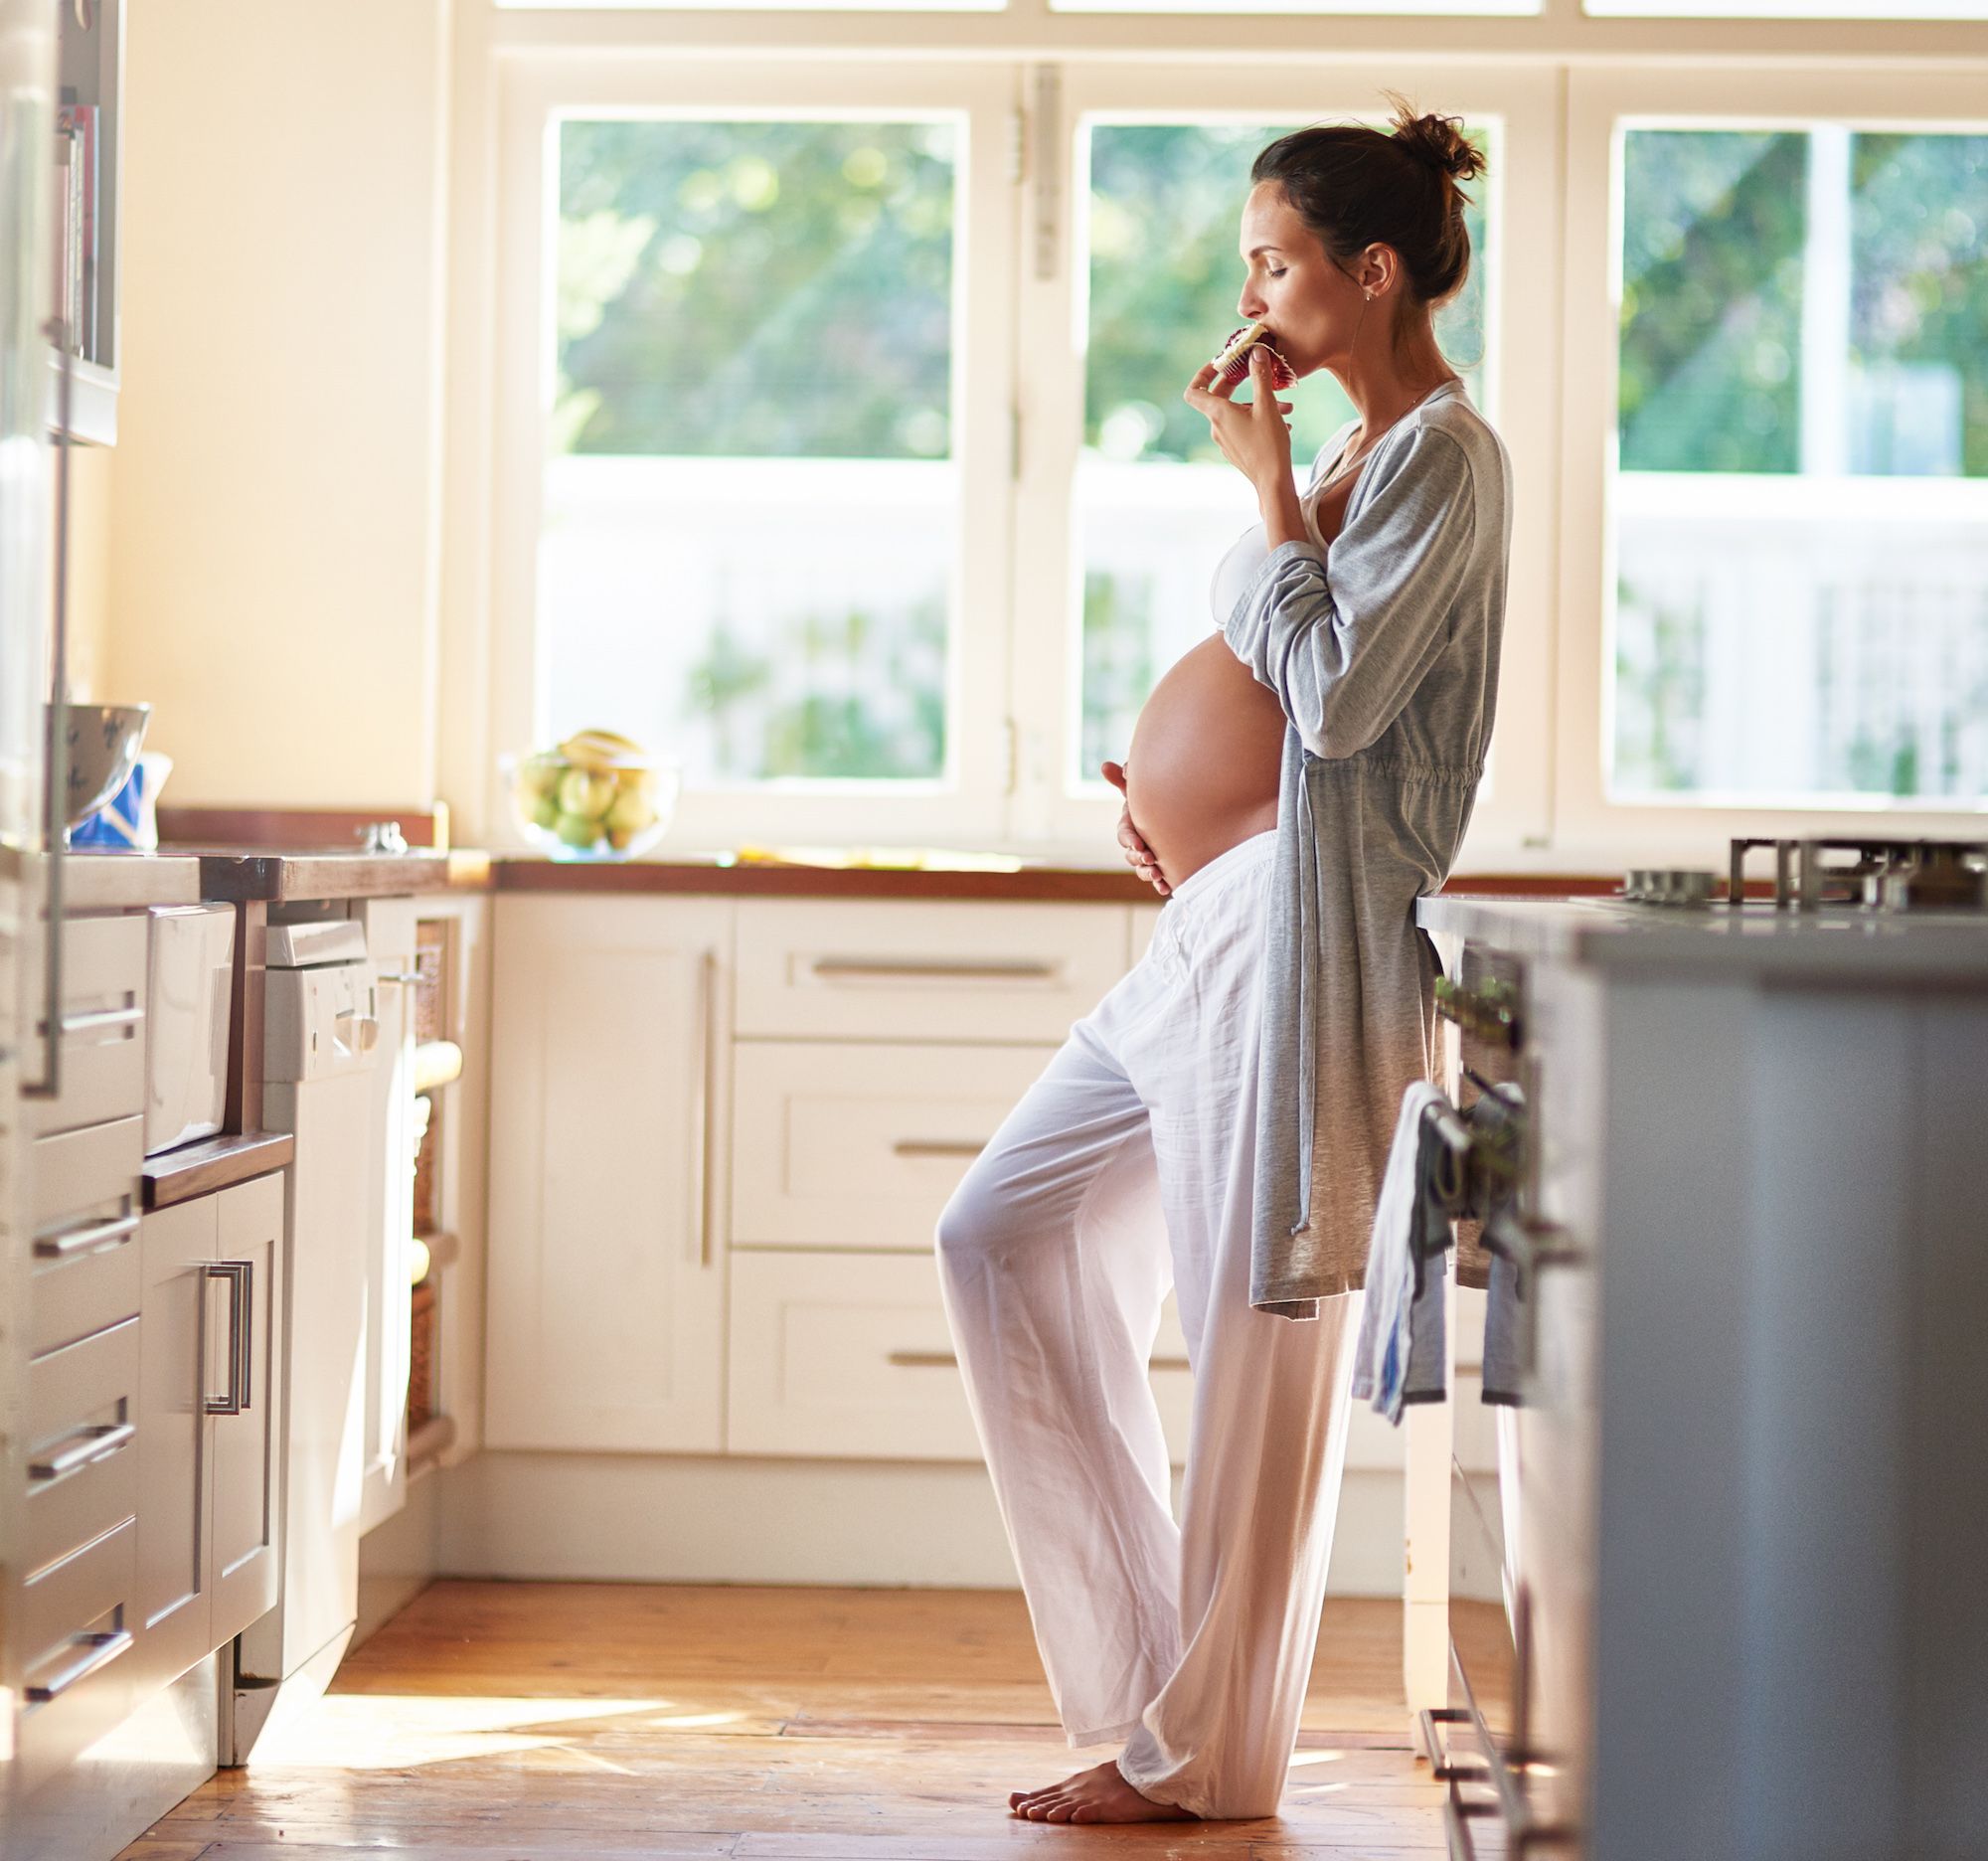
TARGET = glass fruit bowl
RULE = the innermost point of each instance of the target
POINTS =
(595, 797)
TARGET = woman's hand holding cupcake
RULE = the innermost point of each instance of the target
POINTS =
(1255, 436)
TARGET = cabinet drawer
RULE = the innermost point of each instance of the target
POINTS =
(103, 1015)
(86, 1275)
(85, 1173)
(848, 1356)
(77, 1639)
(932, 970)
(82, 1419)
(858, 1144)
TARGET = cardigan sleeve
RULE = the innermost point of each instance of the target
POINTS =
(1344, 636)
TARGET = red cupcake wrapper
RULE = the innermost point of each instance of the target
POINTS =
(1281, 375)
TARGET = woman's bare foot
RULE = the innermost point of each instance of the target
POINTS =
(1099, 1794)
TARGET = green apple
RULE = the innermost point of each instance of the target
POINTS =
(578, 830)
(545, 812)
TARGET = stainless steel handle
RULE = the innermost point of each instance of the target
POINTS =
(921, 1360)
(240, 1277)
(85, 1239)
(700, 1114)
(100, 1018)
(938, 1146)
(830, 966)
(1168, 1363)
(404, 980)
(55, 792)
(97, 1441)
(104, 1647)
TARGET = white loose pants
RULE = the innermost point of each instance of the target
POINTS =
(1125, 1167)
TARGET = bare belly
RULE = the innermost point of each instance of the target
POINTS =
(1201, 775)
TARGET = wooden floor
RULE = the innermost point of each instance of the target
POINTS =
(535, 1722)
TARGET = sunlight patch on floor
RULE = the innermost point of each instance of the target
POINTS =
(389, 1731)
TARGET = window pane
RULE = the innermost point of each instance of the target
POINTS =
(1156, 504)
(1801, 506)
(751, 500)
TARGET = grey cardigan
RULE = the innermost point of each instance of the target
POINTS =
(1384, 651)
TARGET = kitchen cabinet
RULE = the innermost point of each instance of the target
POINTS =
(610, 1046)
(210, 1427)
(88, 171)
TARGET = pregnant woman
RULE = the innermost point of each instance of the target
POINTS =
(1219, 1123)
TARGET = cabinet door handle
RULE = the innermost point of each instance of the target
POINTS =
(938, 1146)
(98, 1018)
(240, 1277)
(921, 1360)
(830, 967)
(700, 1116)
(105, 1647)
(96, 1441)
(55, 789)
(85, 1239)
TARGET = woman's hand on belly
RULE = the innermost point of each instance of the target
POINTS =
(1138, 855)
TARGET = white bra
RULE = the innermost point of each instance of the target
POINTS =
(1238, 569)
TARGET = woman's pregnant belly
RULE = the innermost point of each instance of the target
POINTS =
(1201, 775)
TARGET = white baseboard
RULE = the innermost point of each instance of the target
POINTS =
(638, 1518)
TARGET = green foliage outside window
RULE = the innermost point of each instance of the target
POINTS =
(755, 289)
(1711, 277)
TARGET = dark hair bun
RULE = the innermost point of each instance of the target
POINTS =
(1438, 140)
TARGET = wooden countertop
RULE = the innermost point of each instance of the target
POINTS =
(181, 874)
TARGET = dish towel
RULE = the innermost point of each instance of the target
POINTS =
(1399, 1358)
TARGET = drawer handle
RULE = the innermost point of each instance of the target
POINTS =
(938, 1147)
(97, 1019)
(831, 966)
(96, 1441)
(1169, 1363)
(105, 1647)
(89, 1240)
(240, 1277)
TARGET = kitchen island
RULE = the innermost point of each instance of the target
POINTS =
(1743, 1496)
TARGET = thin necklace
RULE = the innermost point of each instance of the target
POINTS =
(1344, 464)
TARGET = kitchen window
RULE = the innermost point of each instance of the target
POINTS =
(918, 591)
(1771, 610)
(1801, 495)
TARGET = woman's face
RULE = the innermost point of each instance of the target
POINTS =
(1310, 306)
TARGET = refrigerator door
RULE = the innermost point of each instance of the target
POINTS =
(26, 92)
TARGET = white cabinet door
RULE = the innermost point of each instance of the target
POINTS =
(611, 1044)
(184, 1317)
(244, 1542)
(390, 951)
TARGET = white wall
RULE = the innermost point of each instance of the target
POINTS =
(272, 563)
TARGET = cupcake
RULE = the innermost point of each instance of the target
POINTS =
(1232, 363)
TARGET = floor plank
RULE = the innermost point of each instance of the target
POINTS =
(605, 1722)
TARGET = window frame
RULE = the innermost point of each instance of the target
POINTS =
(1587, 826)
(533, 96)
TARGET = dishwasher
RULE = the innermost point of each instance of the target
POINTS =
(321, 1056)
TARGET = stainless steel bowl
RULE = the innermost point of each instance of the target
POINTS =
(103, 744)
